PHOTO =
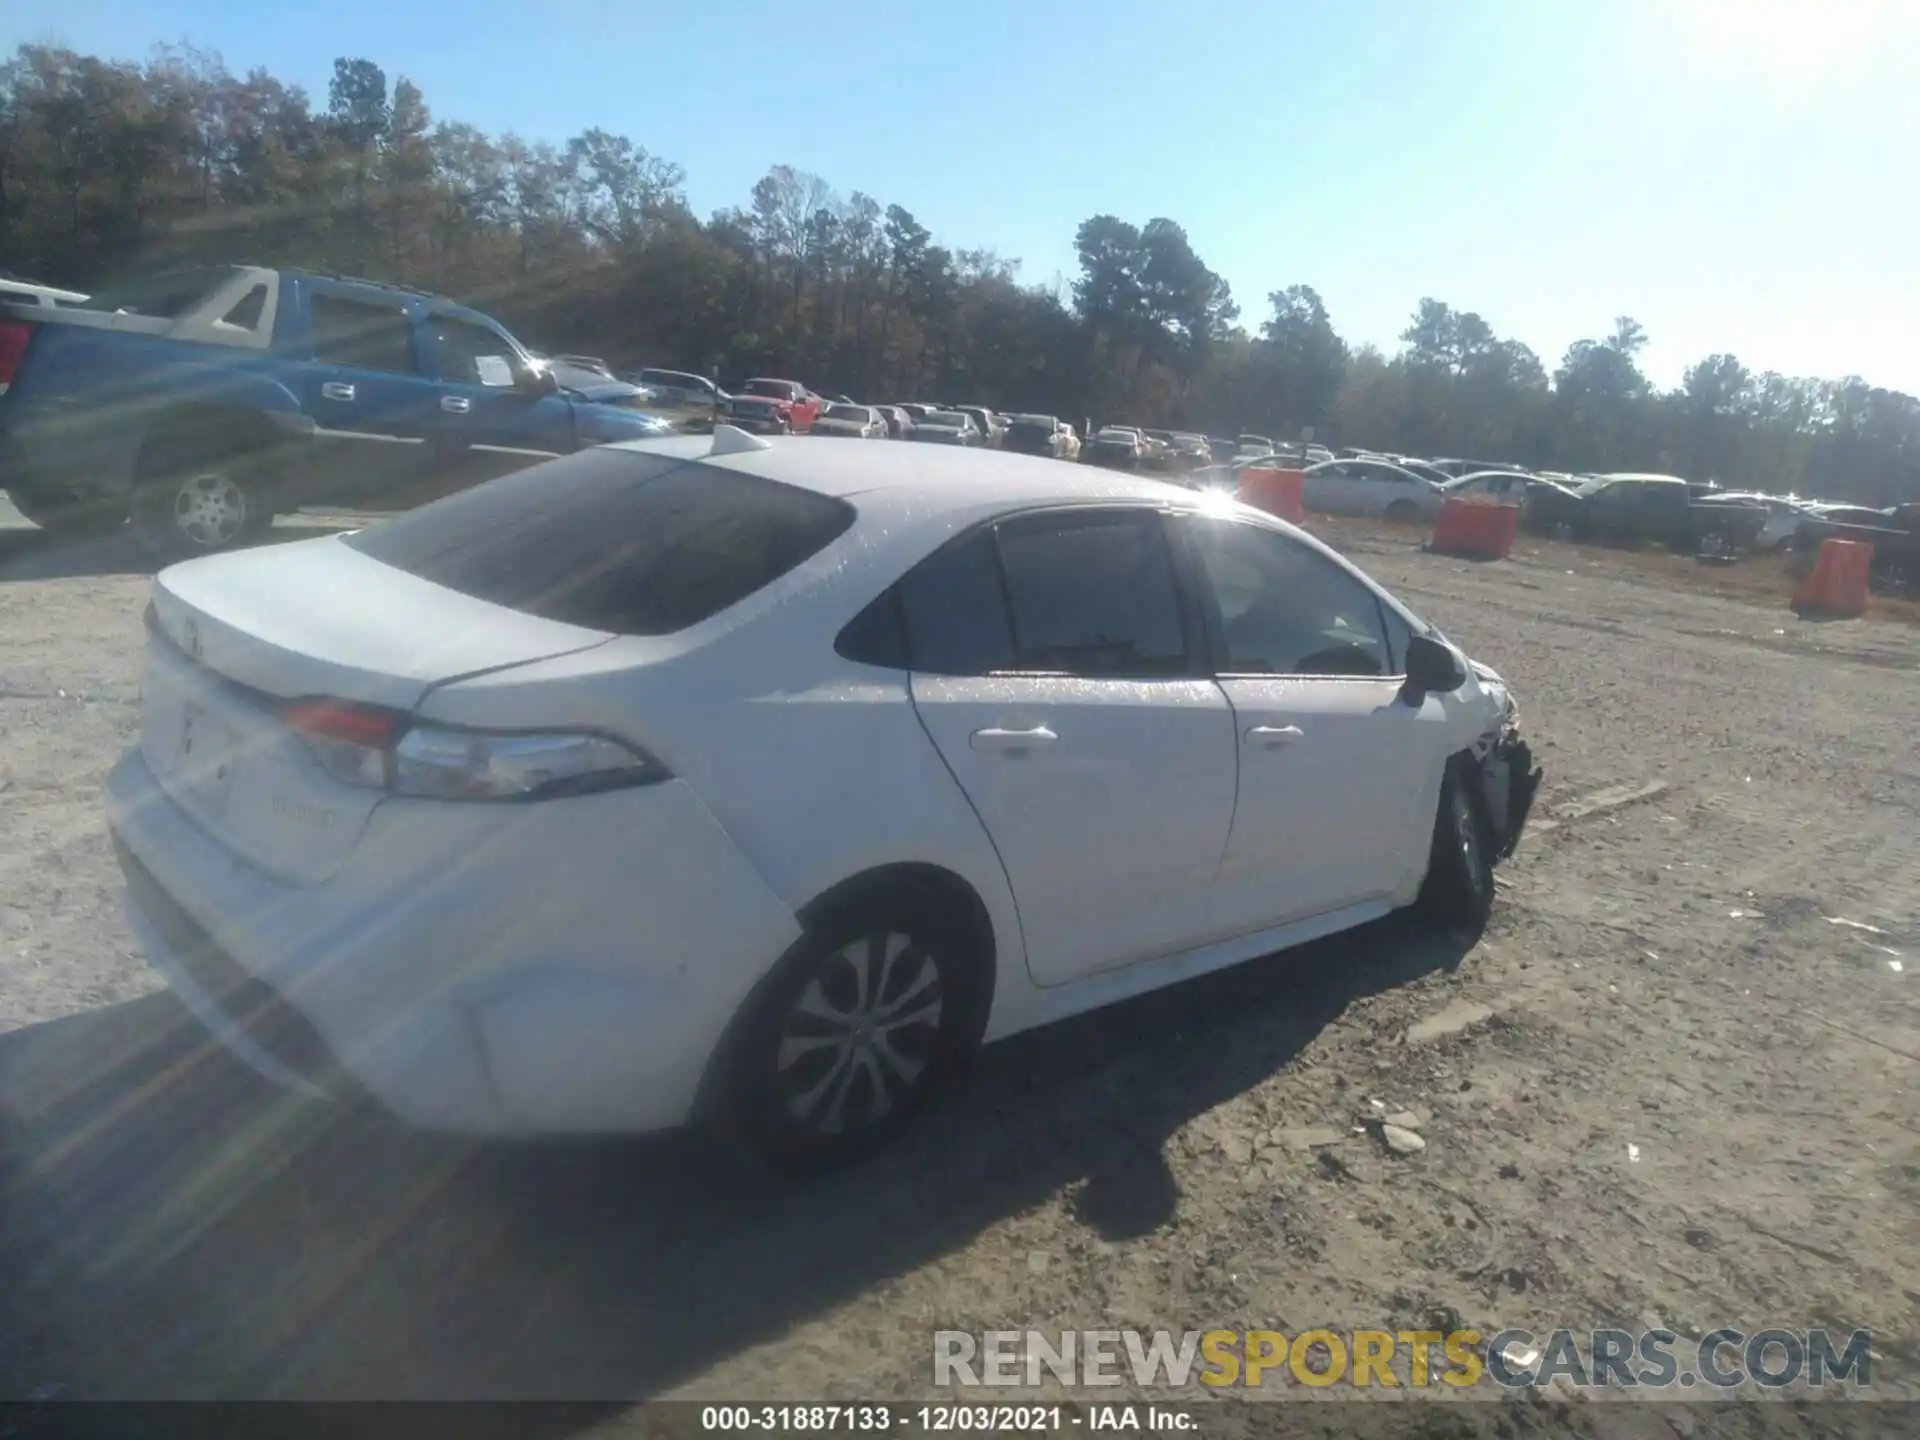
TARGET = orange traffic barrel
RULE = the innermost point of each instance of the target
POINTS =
(1837, 588)
(1476, 529)
(1274, 490)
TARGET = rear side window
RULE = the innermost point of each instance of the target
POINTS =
(613, 540)
(955, 611)
(247, 310)
(1093, 595)
(363, 335)
(1089, 594)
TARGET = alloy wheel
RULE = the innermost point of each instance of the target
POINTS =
(210, 510)
(860, 1041)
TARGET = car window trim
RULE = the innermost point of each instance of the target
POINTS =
(1215, 625)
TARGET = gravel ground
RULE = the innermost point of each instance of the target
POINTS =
(1666, 1088)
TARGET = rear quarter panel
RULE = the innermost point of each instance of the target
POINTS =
(86, 395)
(816, 767)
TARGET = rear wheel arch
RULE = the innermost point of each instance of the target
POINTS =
(242, 444)
(948, 900)
(949, 905)
(225, 431)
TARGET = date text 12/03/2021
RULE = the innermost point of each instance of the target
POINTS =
(944, 1419)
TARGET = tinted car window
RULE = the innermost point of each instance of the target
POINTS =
(612, 540)
(1093, 595)
(955, 611)
(363, 335)
(247, 310)
(1285, 610)
(474, 355)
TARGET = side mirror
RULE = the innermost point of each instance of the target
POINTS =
(538, 382)
(1432, 669)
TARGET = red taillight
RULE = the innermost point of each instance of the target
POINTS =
(338, 720)
(14, 336)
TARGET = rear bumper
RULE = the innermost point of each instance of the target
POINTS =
(757, 424)
(566, 972)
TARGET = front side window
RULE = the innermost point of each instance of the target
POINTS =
(474, 355)
(1285, 609)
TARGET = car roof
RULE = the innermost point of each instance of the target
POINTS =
(900, 478)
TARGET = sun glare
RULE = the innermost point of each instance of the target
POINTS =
(1792, 46)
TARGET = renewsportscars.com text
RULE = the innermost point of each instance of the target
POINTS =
(1514, 1358)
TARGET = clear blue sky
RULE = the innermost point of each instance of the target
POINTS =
(1736, 174)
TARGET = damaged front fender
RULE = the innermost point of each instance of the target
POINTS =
(1509, 780)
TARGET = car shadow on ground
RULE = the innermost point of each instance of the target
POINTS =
(31, 554)
(170, 1228)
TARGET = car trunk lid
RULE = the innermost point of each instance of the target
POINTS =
(238, 636)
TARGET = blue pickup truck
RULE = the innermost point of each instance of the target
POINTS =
(201, 404)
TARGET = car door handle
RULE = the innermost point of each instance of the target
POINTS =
(1271, 737)
(456, 404)
(992, 739)
(336, 390)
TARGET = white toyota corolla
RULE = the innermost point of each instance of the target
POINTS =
(757, 782)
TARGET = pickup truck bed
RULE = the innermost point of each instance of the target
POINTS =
(201, 404)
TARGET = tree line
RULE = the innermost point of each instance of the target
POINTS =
(109, 168)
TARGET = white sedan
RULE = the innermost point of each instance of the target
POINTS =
(756, 783)
(1369, 487)
(854, 422)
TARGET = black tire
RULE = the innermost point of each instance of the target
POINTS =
(1458, 891)
(71, 517)
(792, 1089)
(1403, 512)
(195, 494)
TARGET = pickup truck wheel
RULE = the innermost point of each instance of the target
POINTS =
(192, 500)
(69, 517)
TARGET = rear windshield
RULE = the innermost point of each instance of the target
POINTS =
(847, 412)
(612, 540)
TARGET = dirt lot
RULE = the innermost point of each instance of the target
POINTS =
(1671, 1088)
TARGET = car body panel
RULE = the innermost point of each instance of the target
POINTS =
(1095, 888)
(443, 1003)
(1362, 754)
